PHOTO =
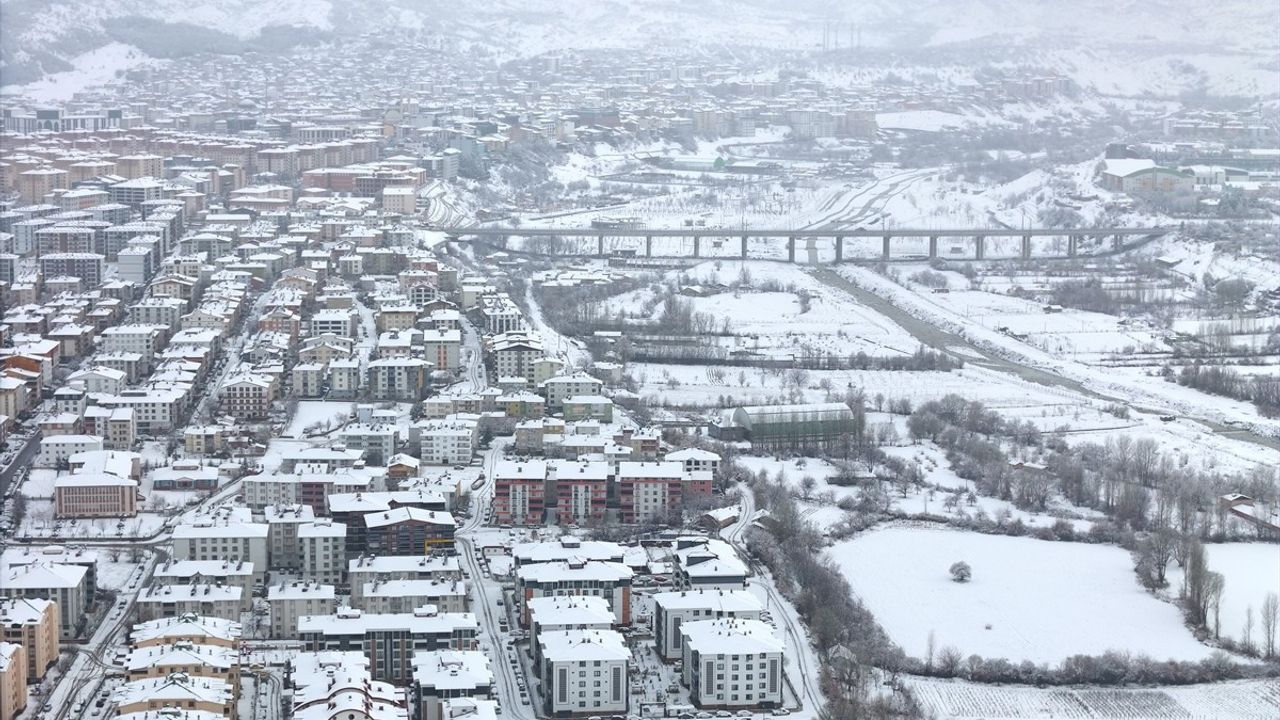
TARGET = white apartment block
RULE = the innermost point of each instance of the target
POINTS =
(216, 539)
(220, 601)
(673, 610)
(323, 544)
(293, 600)
(155, 410)
(584, 672)
(377, 441)
(100, 380)
(732, 664)
(399, 596)
(337, 321)
(558, 389)
(283, 548)
(208, 572)
(56, 450)
(146, 340)
(446, 442)
(696, 459)
(164, 311)
(368, 569)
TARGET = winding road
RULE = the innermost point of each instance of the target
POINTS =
(799, 652)
(485, 595)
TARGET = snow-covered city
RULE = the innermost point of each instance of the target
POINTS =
(640, 359)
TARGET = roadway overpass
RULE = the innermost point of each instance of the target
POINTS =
(911, 244)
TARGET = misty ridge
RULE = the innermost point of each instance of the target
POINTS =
(639, 359)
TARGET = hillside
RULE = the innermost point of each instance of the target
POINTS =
(42, 38)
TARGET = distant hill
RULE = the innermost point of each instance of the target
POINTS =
(40, 38)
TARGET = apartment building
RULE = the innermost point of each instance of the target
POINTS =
(283, 549)
(155, 410)
(695, 460)
(13, 680)
(514, 354)
(566, 612)
(323, 544)
(446, 441)
(94, 495)
(33, 624)
(377, 441)
(187, 628)
(230, 539)
(394, 596)
(609, 580)
(249, 396)
(581, 490)
(584, 671)
(183, 656)
(293, 600)
(673, 610)
(408, 531)
(389, 640)
(333, 321)
(56, 450)
(67, 585)
(221, 601)
(398, 379)
(190, 692)
(329, 685)
(443, 348)
(367, 569)
(443, 675)
(207, 572)
(732, 663)
(520, 495)
(657, 490)
(558, 389)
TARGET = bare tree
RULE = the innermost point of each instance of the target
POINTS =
(1215, 584)
(1195, 582)
(1246, 637)
(949, 661)
(1270, 614)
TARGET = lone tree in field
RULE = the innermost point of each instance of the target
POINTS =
(961, 572)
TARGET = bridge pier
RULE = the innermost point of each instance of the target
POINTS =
(1026, 247)
(1117, 242)
(744, 247)
(648, 246)
(1071, 245)
(884, 247)
(933, 246)
(600, 246)
(697, 246)
(839, 248)
(791, 249)
(980, 247)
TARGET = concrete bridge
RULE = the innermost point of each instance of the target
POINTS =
(837, 245)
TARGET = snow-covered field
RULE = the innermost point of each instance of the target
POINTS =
(311, 412)
(1028, 599)
(40, 522)
(1075, 333)
(1134, 387)
(1250, 572)
(960, 700)
(775, 322)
